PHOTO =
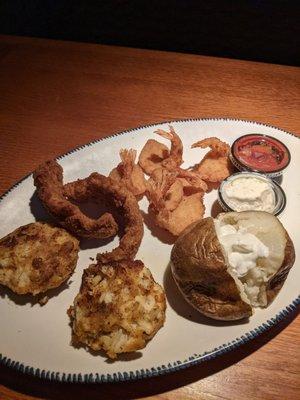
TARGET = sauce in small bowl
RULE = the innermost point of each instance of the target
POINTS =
(245, 191)
(260, 153)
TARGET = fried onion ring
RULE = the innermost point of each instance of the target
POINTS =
(48, 179)
(125, 202)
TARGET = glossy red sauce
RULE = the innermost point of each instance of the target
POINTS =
(261, 153)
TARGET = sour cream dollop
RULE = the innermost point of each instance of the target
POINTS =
(242, 248)
(245, 192)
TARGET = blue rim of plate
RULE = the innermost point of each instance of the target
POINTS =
(163, 369)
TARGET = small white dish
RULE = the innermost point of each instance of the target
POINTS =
(279, 195)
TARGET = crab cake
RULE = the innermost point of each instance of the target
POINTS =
(118, 309)
(37, 257)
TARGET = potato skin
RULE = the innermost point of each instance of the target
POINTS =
(199, 268)
(200, 271)
(277, 281)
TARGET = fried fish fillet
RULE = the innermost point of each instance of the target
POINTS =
(118, 309)
(37, 257)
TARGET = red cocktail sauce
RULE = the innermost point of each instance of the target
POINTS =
(261, 153)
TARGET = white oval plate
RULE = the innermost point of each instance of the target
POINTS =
(36, 339)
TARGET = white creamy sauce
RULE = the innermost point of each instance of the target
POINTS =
(249, 193)
(242, 248)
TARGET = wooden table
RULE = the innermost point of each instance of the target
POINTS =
(58, 95)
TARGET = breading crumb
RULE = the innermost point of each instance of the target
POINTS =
(37, 257)
(118, 309)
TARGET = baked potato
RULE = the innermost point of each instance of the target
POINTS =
(226, 266)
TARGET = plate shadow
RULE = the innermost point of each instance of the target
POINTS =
(163, 235)
(38, 211)
(23, 299)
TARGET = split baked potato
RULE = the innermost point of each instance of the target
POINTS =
(226, 266)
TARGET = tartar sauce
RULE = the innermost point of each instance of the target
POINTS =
(246, 192)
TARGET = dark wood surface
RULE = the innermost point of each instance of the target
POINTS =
(59, 95)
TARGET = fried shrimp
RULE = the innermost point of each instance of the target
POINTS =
(151, 156)
(192, 180)
(48, 179)
(215, 166)
(175, 155)
(189, 210)
(155, 154)
(119, 308)
(163, 191)
(218, 148)
(129, 173)
(125, 203)
(37, 257)
(174, 201)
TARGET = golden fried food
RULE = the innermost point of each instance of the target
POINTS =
(189, 210)
(124, 201)
(155, 154)
(129, 174)
(162, 188)
(151, 156)
(175, 156)
(176, 199)
(37, 257)
(191, 180)
(48, 179)
(174, 195)
(118, 309)
(215, 166)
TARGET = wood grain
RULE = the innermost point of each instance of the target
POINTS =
(58, 95)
